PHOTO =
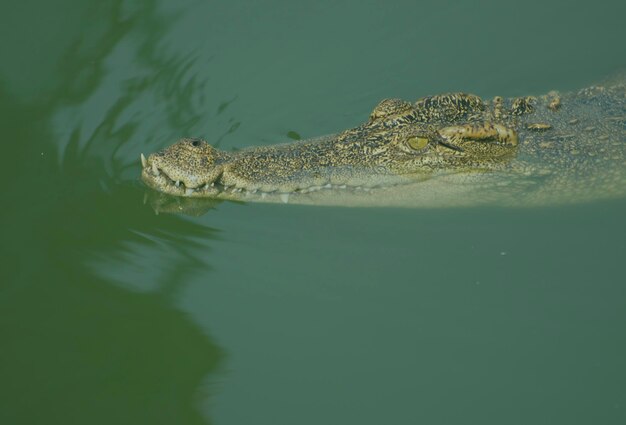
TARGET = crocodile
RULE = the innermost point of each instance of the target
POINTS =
(454, 149)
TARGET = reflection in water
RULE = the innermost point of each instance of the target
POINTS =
(75, 348)
(195, 207)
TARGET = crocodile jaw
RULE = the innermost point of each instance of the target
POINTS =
(158, 176)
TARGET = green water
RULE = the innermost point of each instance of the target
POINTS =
(280, 314)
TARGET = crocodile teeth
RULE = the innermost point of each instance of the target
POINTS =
(144, 163)
(213, 184)
(284, 197)
(155, 170)
(188, 192)
(177, 183)
(205, 187)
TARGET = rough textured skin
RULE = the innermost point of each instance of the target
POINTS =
(444, 150)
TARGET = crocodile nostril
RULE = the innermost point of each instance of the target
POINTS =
(195, 143)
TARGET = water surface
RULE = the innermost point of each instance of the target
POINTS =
(273, 314)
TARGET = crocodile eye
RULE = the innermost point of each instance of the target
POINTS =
(417, 143)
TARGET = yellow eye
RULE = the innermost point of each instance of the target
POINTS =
(417, 143)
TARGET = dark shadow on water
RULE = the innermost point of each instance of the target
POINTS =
(77, 348)
(77, 345)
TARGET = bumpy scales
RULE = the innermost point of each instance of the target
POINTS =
(451, 149)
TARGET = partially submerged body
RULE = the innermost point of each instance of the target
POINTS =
(447, 150)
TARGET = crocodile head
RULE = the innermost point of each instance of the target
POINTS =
(192, 167)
